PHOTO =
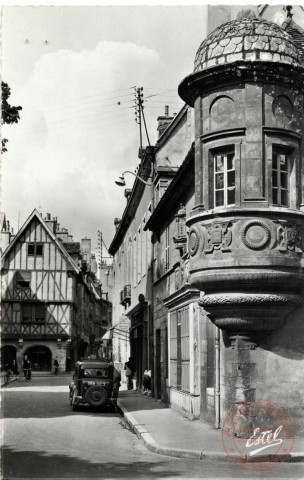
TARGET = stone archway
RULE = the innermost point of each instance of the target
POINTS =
(40, 357)
(8, 354)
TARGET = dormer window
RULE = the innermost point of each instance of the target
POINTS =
(23, 280)
(35, 249)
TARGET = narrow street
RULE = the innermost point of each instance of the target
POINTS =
(43, 438)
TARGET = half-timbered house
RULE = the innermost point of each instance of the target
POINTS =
(39, 280)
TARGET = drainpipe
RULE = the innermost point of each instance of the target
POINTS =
(217, 378)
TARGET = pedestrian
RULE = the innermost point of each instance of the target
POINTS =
(27, 369)
(68, 365)
(14, 369)
(147, 382)
(129, 373)
(56, 366)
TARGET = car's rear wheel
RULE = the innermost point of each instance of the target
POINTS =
(96, 396)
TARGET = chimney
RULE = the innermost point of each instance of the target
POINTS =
(86, 248)
(51, 223)
(117, 222)
(164, 121)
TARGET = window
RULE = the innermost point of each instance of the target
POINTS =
(167, 248)
(134, 251)
(139, 254)
(280, 178)
(23, 279)
(144, 248)
(180, 349)
(35, 249)
(224, 179)
(33, 313)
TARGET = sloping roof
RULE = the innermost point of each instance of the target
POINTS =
(36, 214)
(297, 34)
(182, 181)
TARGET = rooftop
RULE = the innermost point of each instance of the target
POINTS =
(247, 39)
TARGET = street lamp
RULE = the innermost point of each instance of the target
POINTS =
(121, 180)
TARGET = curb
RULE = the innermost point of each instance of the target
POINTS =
(7, 383)
(150, 443)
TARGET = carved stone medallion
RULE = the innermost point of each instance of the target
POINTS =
(255, 235)
(193, 242)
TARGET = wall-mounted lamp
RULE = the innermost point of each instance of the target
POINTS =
(121, 180)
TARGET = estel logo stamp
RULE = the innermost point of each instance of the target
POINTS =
(263, 446)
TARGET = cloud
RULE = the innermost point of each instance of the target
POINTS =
(74, 139)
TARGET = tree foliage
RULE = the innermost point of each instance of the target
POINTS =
(9, 113)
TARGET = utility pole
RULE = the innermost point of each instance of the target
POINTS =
(138, 112)
(99, 249)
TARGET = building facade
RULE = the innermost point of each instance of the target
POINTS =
(226, 289)
(132, 261)
(51, 307)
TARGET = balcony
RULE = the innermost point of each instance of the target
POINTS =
(125, 295)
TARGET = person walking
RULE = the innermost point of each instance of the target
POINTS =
(147, 382)
(129, 373)
(27, 369)
(14, 369)
(56, 366)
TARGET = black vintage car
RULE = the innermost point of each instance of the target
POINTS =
(94, 383)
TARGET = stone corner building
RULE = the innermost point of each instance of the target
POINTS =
(223, 289)
(246, 230)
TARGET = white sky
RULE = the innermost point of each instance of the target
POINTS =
(73, 139)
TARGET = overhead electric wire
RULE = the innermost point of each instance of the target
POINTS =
(94, 102)
(73, 125)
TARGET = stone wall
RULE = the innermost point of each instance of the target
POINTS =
(274, 371)
(59, 352)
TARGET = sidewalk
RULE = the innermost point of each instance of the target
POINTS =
(166, 432)
(3, 379)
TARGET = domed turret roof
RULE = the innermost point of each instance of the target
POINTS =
(246, 39)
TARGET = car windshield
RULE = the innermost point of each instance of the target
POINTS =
(96, 372)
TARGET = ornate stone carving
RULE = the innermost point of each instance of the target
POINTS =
(250, 298)
(219, 237)
(249, 315)
(255, 235)
(288, 238)
(193, 242)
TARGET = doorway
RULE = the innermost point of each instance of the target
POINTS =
(8, 354)
(40, 358)
(158, 364)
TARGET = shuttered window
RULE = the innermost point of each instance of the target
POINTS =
(33, 313)
(180, 349)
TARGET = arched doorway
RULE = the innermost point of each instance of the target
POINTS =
(8, 354)
(40, 358)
